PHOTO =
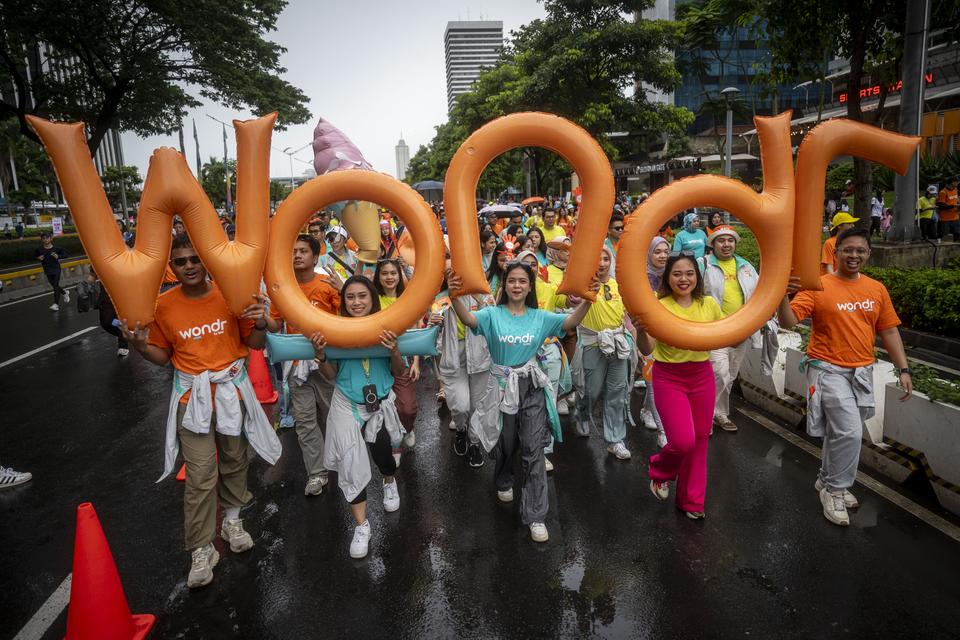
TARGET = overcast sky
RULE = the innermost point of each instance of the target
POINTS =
(373, 68)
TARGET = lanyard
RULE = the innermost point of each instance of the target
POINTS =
(365, 363)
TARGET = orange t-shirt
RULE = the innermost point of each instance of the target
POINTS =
(320, 293)
(169, 277)
(202, 333)
(828, 255)
(948, 197)
(846, 315)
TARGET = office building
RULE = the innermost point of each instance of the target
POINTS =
(469, 46)
(402, 153)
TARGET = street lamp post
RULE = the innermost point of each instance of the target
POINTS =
(806, 92)
(290, 155)
(728, 94)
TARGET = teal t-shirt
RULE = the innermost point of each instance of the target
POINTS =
(352, 378)
(513, 340)
(696, 242)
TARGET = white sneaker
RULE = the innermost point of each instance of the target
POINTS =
(834, 509)
(10, 478)
(538, 532)
(619, 450)
(66, 296)
(54, 307)
(505, 496)
(203, 560)
(233, 533)
(849, 500)
(547, 464)
(661, 439)
(361, 540)
(410, 440)
(648, 421)
(391, 497)
(660, 489)
(563, 408)
(396, 458)
(314, 486)
(123, 352)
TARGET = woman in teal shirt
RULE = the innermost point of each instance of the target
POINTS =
(691, 237)
(513, 413)
(362, 411)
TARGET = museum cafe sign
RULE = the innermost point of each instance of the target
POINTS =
(668, 165)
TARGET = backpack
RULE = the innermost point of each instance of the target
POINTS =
(88, 296)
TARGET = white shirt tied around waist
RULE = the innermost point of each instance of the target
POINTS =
(231, 419)
(823, 379)
(610, 341)
(502, 395)
(299, 370)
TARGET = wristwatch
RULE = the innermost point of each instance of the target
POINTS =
(906, 370)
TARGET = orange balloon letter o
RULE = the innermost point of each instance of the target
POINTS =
(551, 132)
(769, 215)
(354, 185)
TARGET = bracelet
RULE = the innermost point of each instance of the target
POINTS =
(906, 370)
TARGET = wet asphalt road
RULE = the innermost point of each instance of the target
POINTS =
(453, 562)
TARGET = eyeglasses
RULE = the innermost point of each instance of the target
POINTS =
(182, 262)
(618, 228)
(684, 254)
(850, 251)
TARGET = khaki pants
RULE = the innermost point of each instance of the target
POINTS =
(310, 403)
(726, 367)
(208, 456)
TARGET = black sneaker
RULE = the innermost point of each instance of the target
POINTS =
(475, 456)
(460, 443)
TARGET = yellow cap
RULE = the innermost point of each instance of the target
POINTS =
(842, 218)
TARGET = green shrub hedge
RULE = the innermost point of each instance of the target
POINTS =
(925, 299)
(34, 232)
(15, 253)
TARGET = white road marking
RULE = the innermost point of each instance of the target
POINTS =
(48, 613)
(33, 297)
(922, 513)
(46, 346)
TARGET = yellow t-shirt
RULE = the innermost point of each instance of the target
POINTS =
(605, 314)
(386, 301)
(546, 295)
(554, 274)
(704, 310)
(550, 234)
(732, 293)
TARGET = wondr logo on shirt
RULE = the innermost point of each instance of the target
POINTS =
(865, 305)
(525, 339)
(214, 328)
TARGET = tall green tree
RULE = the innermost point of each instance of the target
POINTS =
(213, 179)
(122, 182)
(588, 61)
(138, 65)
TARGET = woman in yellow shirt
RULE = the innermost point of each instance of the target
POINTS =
(684, 389)
(605, 354)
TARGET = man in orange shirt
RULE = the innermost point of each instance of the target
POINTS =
(828, 254)
(310, 392)
(214, 412)
(947, 209)
(847, 315)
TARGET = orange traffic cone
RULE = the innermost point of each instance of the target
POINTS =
(260, 377)
(98, 607)
(182, 474)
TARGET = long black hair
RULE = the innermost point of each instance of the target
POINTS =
(494, 269)
(674, 258)
(374, 296)
(531, 299)
(376, 276)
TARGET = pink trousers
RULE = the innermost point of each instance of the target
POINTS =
(684, 394)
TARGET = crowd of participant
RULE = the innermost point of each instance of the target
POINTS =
(510, 365)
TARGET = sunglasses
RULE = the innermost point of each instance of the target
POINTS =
(182, 262)
(682, 254)
(618, 228)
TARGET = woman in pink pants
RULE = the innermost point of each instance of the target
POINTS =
(683, 389)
